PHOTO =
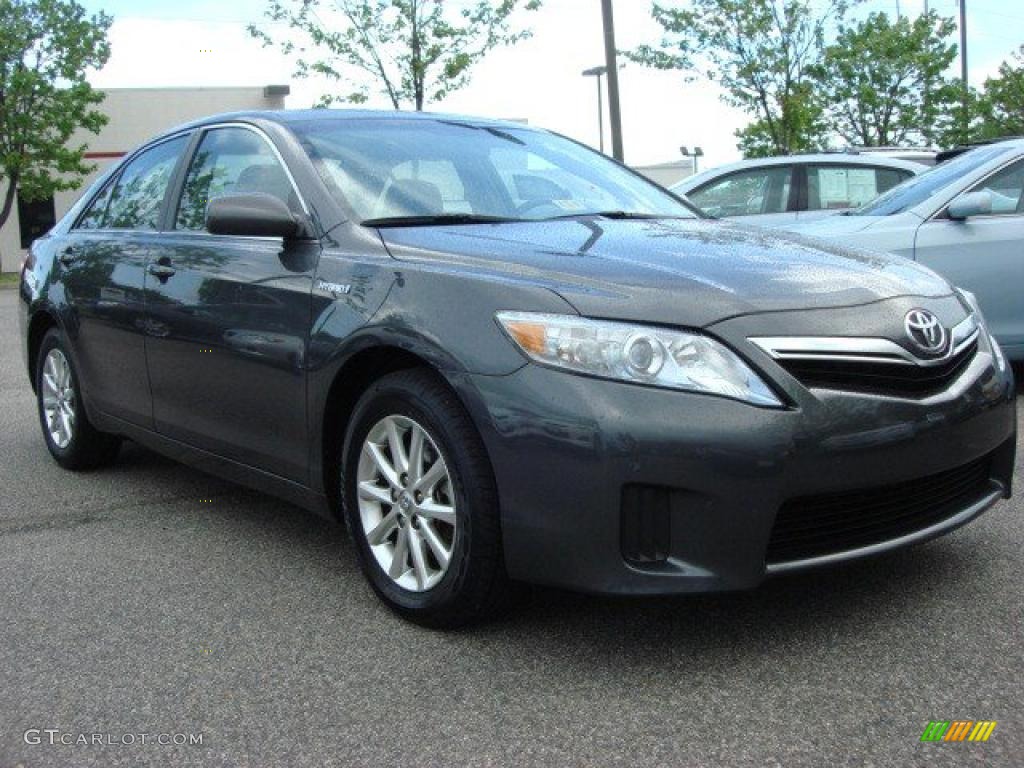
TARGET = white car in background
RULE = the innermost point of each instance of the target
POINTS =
(964, 218)
(776, 191)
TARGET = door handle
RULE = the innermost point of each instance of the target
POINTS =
(162, 271)
(68, 256)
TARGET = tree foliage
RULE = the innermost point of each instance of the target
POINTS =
(883, 81)
(1000, 106)
(412, 51)
(46, 47)
(760, 52)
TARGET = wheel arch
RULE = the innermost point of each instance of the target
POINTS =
(42, 320)
(348, 384)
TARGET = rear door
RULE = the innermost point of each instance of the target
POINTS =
(985, 254)
(103, 262)
(228, 317)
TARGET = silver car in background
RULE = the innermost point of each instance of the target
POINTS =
(964, 218)
(778, 191)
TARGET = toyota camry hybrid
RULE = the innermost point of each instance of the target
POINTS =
(501, 357)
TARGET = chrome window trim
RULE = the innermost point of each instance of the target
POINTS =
(864, 349)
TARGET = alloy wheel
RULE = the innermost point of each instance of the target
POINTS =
(58, 396)
(406, 503)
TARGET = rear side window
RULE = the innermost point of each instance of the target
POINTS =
(749, 193)
(231, 161)
(139, 192)
(836, 187)
(95, 213)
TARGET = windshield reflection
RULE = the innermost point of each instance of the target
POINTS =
(919, 188)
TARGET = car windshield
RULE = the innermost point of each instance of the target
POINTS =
(394, 172)
(919, 188)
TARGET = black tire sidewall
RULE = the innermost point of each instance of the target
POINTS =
(388, 397)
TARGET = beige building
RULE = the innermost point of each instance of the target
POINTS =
(135, 115)
(667, 174)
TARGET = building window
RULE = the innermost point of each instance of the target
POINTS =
(36, 219)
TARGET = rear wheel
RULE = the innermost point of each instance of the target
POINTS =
(421, 503)
(70, 437)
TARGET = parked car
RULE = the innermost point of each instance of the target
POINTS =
(964, 218)
(776, 191)
(499, 356)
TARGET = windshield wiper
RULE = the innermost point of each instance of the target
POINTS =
(436, 220)
(634, 215)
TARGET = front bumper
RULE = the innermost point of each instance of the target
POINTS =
(567, 450)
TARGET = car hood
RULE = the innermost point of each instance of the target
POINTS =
(830, 226)
(680, 272)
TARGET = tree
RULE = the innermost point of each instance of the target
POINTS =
(883, 82)
(760, 52)
(1000, 106)
(413, 51)
(46, 46)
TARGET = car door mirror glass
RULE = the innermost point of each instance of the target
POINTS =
(971, 204)
(251, 215)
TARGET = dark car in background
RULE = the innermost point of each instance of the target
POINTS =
(499, 356)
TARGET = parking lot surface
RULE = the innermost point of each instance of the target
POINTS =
(151, 599)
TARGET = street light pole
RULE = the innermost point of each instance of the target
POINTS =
(965, 121)
(610, 55)
(597, 72)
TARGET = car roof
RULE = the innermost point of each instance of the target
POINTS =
(289, 117)
(829, 158)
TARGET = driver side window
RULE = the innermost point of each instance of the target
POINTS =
(1006, 189)
(231, 161)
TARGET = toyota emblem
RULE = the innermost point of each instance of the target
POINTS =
(925, 330)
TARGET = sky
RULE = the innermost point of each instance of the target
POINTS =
(160, 43)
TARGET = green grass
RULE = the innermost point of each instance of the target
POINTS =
(8, 278)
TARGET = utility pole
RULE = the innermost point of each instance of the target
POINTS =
(610, 55)
(965, 118)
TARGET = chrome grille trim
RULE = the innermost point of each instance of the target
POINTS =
(860, 349)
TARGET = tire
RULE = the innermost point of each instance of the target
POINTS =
(473, 585)
(72, 440)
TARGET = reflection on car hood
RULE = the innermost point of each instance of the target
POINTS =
(682, 272)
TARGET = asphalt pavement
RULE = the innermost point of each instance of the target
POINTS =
(151, 602)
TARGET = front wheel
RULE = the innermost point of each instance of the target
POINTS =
(421, 503)
(70, 437)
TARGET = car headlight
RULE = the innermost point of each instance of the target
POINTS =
(638, 354)
(997, 351)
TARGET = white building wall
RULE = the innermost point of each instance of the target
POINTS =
(136, 114)
(666, 174)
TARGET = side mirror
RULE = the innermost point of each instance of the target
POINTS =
(252, 215)
(970, 204)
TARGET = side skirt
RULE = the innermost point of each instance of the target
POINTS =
(212, 464)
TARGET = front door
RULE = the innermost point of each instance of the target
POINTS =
(228, 317)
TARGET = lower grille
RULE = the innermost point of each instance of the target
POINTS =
(876, 377)
(814, 526)
(646, 524)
